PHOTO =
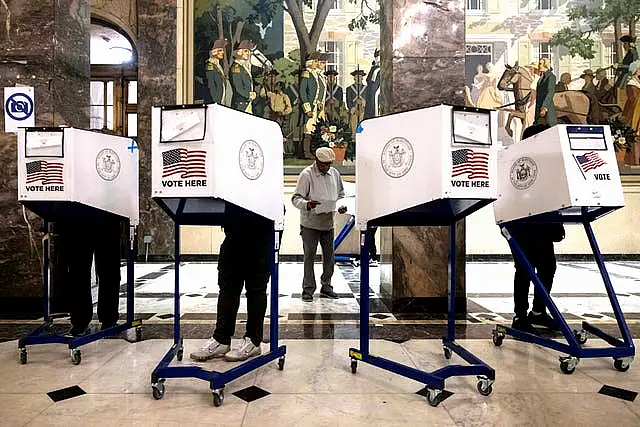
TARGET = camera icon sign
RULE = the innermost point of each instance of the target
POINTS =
(19, 106)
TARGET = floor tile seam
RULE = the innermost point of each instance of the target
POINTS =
(51, 403)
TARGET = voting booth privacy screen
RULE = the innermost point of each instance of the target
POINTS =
(565, 168)
(411, 158)
(81, 166)
(211, 151)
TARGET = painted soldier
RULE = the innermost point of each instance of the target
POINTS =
(631, 55)
(335, 96)
(309, 95)
(216, 78)
(356, 99)
(545, 109)
(241, 79)
(372, 109)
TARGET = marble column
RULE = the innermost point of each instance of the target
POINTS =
(156, 86)
(43, 44)
(422, 62)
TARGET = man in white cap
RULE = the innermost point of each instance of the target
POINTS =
(319, 188)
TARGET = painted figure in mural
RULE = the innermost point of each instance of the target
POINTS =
(356, 99)
(241, 78)
(631, 112)
(319, 66)
(563, 84)
(478, 84)
(631, 54)
(589, 88)
(291, 129)
(309, 95)
(489, 96)
(216, 77)
(372, 107)
(335, 96)
(588, 78)
(545, 89)
(267, 85)
(278, 106)
(603, 89)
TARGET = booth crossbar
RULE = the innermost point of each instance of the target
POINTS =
(622, 350)
(217, 380)
(42, 333)
(434, 381)
(346, 229)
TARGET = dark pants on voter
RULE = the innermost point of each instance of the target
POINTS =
(245, 261)
(310, 239)
(85, 239)
(538, 248)
(373, 251)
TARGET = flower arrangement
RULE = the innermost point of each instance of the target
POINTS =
(335, 134)
(624, 136)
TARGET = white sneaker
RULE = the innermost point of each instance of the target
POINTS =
(210, 350)
(245, 351)
(373, 263)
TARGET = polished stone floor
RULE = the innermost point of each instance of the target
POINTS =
(111, 386)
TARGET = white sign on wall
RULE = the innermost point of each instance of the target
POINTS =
(19, 108)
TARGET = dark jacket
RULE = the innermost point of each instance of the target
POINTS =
(544, 97)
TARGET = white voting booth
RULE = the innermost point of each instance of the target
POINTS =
(208, 152)
(563, 169)
(427, 167)
(416, 157)
(78, 169)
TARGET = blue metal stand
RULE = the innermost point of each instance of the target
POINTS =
(622, 351)
(434, 381)
(348, 226)
(42, 334)
(217, 380)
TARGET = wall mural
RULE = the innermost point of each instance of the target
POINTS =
(313, 66)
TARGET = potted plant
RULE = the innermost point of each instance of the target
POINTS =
(336, 135)
(624, 136)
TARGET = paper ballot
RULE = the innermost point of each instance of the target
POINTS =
(44, 144)
(326, 206)
(471, 127)
(183, 125)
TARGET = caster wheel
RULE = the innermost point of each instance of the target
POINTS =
(76, 356)
(281, 364)
(354, 366)
(484, 387)
(621, 365)
(180, 354)
(434, 397)
(158, 390)
(218, 397)
(497, 338)
(23, 356)
(138, 334)
(568, 365)
(581, 336)
(447, 353)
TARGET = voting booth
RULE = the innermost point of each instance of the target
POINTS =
(72, 174)
(563, 175)
(211, 163)
(427, 167)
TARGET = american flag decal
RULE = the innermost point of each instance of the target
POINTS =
(46, 172)
(589, 161)
(474, 164)
(187, 163)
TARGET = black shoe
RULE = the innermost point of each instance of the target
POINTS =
(108, 325)
(307, 298)
(521, 323)
(542, 319)
(328, 294)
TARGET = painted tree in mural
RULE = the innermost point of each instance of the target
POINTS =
(587, 21)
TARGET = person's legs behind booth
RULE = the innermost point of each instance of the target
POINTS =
(78, 240)
(107, 258)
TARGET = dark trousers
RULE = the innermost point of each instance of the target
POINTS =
(373, 251)
(542, 258)
(83, 241)
(310, 239)
(235, 271)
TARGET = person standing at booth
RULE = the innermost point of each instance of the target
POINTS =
(245, 261)
(318, 184)
(241, 78)
(536, 241)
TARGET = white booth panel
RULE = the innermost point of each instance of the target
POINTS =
(411, 158)
(81, 166)
(564, 167)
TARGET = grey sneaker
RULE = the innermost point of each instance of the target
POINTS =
(210, 350)
(245, 351)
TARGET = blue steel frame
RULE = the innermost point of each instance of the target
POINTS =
(619, 348)
(40, 335)
(217, 380)
(346, 229)
(435, 379)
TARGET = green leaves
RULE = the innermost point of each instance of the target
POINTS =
(576, 42)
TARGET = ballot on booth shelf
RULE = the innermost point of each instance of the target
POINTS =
(203, 152)
(77, 168)
(564, 169)
(416, 157)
